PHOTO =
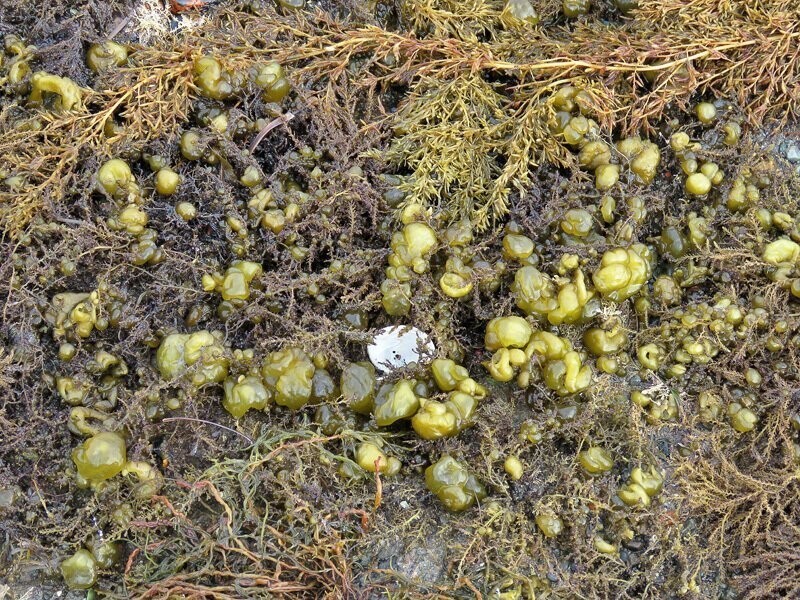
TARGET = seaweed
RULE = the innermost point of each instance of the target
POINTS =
(430, 110)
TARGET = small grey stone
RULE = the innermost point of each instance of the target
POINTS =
(793, 152)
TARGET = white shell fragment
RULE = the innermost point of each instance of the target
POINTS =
(397, 346)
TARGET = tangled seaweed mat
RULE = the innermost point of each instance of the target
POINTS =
(441, 89)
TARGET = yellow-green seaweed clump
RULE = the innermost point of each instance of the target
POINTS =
(394, 402)
(596, 460)
(456, 282)
(396, 300)
(201, 354)
(518, 12)
(186, 210)
(642, 487)
(244, 393)
(100, 457)
(562, 368)
(213, 80)
(742, 419)
(79, 570)
(513, 467)
(271, 78)
(372, 458)
(534, 292)
(105, 55)
(116, 179)
(449, 376)
(607, 345)
(54, 92)
(504, 363)
(289, 373)
(411, 250)
(74, 313)
(358, 384)
(235, 284)
(167, 181)
(601, 342)
(517, 247)
(575, 8)
(643, 156)
(436, 420)
(507, 332)
(650, 356)
(570, 302)
(453, 484)
(72, 391)
(622, 272)
(781, 252)
(412, 246)
(131, 218)
(149, 478)
(549, 523)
